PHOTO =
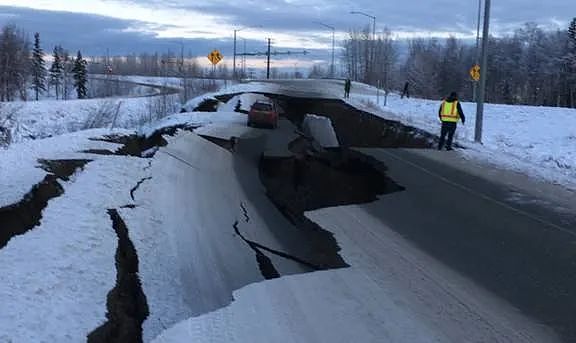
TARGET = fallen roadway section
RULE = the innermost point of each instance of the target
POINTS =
(235, 246)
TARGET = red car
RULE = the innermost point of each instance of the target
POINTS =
(263, 113)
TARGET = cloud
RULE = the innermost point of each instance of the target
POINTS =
(95, 35)
(298, 16)
(291, 23)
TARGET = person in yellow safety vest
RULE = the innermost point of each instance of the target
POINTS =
(450, 113)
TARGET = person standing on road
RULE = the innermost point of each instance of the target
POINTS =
(347, 86)
(450, 113)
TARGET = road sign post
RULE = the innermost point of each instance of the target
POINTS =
(483, 75)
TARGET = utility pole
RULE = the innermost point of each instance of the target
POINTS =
(483, 74)
(475, 83)
(333, 45)
(268, 59)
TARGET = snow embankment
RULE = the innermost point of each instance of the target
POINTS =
(42, 119)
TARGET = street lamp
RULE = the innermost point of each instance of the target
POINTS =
(333, 34)
(373, 50)
(373, 21)
(234, 58)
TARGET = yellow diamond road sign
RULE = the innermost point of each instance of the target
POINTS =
(475, 72)
(215, 57)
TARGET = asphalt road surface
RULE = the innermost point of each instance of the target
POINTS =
(523, 252)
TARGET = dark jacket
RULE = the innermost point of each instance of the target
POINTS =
(460, 111)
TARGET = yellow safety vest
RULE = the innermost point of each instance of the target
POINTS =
(449, 112)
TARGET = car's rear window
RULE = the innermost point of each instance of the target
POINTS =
(259, 106)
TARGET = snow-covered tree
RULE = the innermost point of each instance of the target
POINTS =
(80, 72)
(38, 67)
(57, 70)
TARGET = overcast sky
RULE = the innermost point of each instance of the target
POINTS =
(150, 25)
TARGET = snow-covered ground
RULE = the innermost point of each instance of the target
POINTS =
(56, 277)
(41, 119)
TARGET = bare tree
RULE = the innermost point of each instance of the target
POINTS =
(14, 63)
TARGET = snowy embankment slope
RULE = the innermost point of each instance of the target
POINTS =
(47, 118)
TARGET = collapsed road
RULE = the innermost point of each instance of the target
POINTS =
(287, 207)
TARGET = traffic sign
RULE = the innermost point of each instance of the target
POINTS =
(215, 57)
(475, 72)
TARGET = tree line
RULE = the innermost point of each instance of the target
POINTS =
(168, 64)
(531, 66)
(23, 68)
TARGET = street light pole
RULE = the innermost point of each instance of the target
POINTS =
(333, 45)
(483, 75)
(234, 58)
(373, 50)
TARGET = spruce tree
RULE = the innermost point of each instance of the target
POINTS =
(56, 70)
(38, 67)
(80, 76)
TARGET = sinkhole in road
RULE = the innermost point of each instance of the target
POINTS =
(19, 218)
(334, 177)
(354, 127)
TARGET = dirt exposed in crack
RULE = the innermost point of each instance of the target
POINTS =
(19, 218)
(126, 302)
(208, 105)
(139, 146)
(259, 247)
(135, 188)
(266, 266)
(63, 169)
